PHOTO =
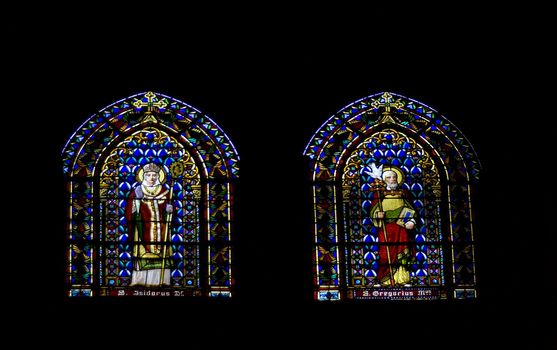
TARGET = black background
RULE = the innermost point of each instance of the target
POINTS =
(269, 77)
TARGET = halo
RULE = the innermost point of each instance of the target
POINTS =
(399, 174)
(139, 175)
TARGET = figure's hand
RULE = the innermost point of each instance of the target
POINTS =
(169, 208)
(380, 214)
(138, 192)
(409, 225)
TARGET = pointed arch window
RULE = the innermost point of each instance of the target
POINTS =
(393, 186)
(150, 183)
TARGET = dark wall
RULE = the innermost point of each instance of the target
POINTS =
(270, 82)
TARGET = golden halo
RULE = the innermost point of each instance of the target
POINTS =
(399, 174)
(162, 175)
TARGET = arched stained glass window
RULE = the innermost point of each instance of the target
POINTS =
(393, 184)
(150, 184)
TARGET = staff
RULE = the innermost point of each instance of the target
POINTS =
(377, 173)
(382, 225)
(176, 170)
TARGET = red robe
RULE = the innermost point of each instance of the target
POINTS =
(148, 223)
(399, 239)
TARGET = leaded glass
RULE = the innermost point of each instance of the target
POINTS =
(169, 237)
(392, 184)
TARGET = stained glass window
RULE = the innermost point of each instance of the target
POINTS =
(150, 184)
(393, 186)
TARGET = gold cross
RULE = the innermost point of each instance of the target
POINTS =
(150, 104)
(389, 102)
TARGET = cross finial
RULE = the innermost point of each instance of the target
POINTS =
(150, 104)
(387, 102)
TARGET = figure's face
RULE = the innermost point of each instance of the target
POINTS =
(391, 179)
(150, 178)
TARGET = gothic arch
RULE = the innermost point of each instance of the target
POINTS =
(104, 163)
(354, 257)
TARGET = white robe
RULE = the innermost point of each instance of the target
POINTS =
(150, 277)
